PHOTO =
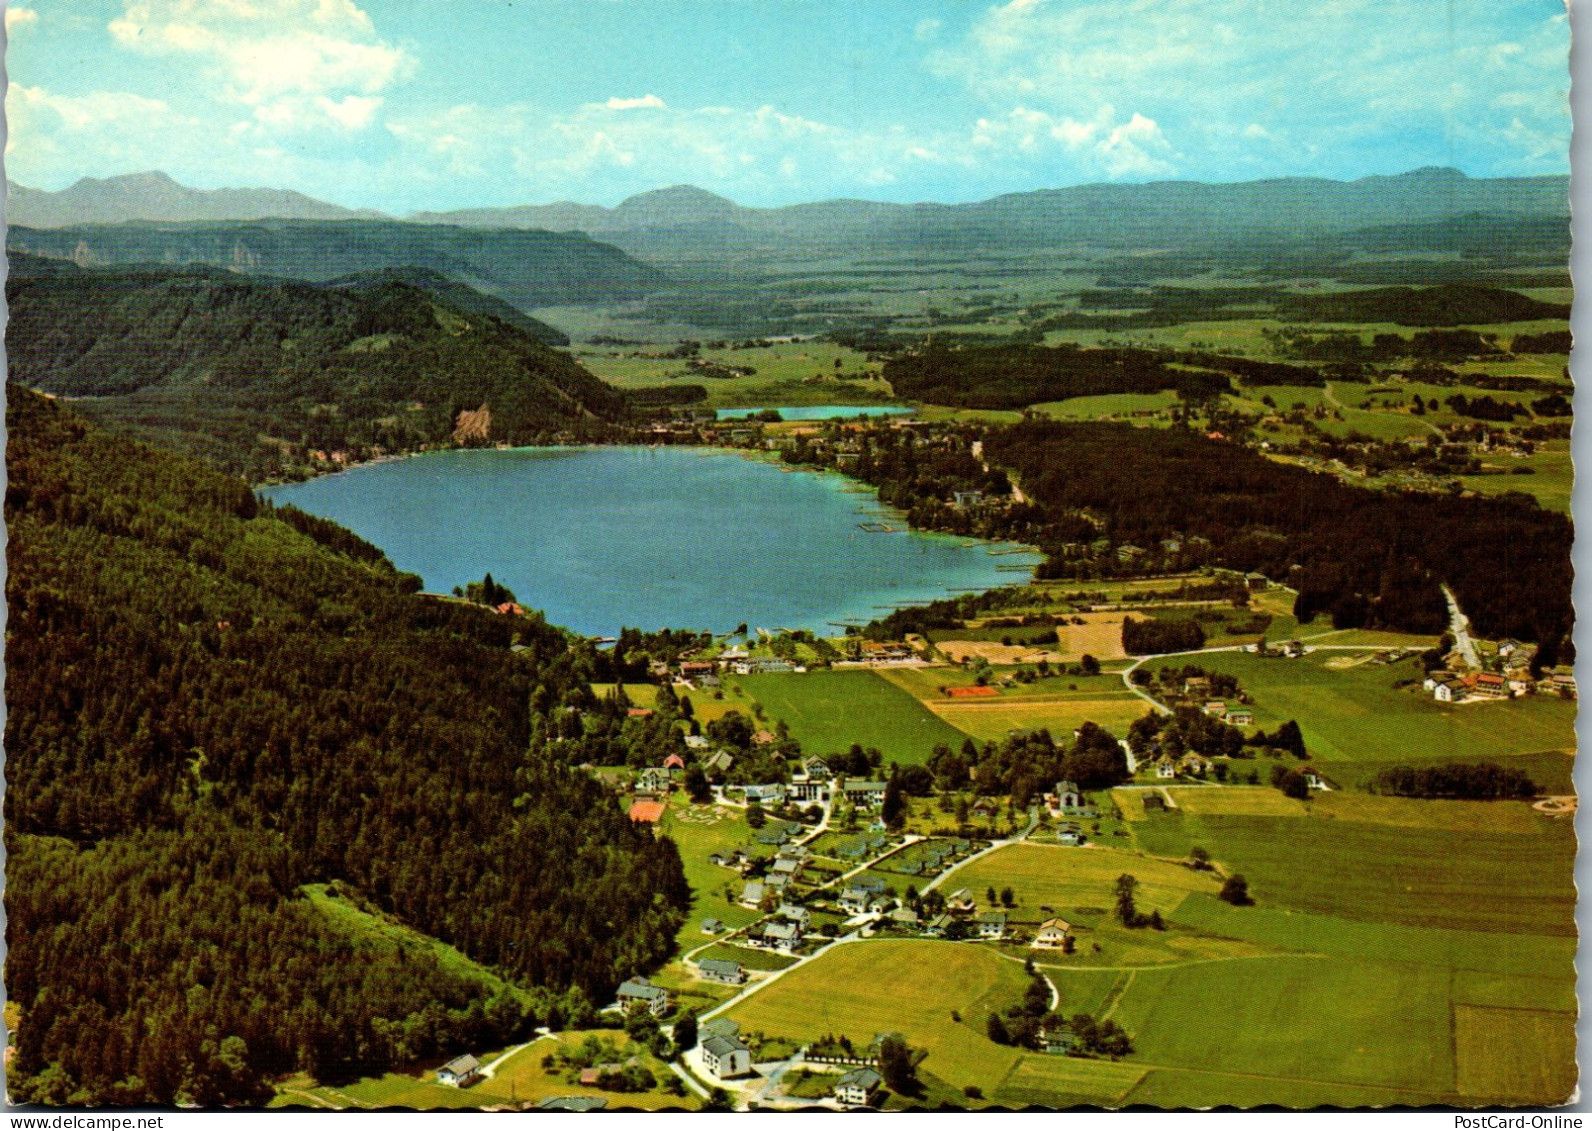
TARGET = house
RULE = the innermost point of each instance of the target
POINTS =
(591, 1077)
(1053, 933)
(639, 713)
(984, 808)
(968, 498)
(769, 793)
(1192, 763)
(1196, 686)
(867, 794)
(777, 882)
(855, 900)
(805, 788)
(1128, 553)
(960, 901)
(641, 993)
(720, 762)
(654, 779)
(693, 669)
(696, 742)
(936, 927)
(722, 970)
(1068, 795)
(1490, 685)
(858, 1086)
(796, 913)
(816, 768)
(777, 932)
(726, 1056)
(1216, 708)
(992, 925)
(1072, 838)
(1257, 582)
(647, 812)
(1165, 767)
(752, 894)
(1448, 690)
(904, 917)
(712, 927)
(1313, 778)
(786, 867)
(764, 737)
(1240, 717)
(1058, 1038)
(460, 1072)
(674, 762)
(572, 1103)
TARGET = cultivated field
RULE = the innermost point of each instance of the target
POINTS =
(827, 711)
(1059, 714)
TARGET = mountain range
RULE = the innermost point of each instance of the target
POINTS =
(1279, 205)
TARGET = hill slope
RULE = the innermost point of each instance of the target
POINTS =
(211, 704)
(258, 374)
(524, 268)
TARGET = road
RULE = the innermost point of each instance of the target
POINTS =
(1459, 625)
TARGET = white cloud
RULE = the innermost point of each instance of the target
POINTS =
(296, 64)
(927, 29)
(646, 102)
(18, 17)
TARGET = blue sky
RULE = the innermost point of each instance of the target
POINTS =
(434, 104)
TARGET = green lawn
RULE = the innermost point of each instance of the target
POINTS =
(912, 987)
(700, 831)
(1460, 879)
(827, 711)
(1357, 714)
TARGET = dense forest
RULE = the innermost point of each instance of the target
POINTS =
(1366, 557)
(211, 704)
(265, 378)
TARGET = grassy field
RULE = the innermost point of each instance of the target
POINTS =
(1060, 714)
(1550, 482)
(700, 831)
(863, 989)
(827, 711)
(1491, 881)
(1357, 714)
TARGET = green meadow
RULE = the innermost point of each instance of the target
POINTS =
(827, 711)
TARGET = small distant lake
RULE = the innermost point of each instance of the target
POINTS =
(610, 537)
(818, 412)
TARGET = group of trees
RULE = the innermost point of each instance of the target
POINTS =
(1023, 766)
(1374, 558)
(209, 708)
(1031, 1024)
(1161, 634)
(1470, 781)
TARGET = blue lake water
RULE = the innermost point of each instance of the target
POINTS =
(610, 537)
(818, 412)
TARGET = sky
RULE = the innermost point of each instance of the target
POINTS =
(403, 105)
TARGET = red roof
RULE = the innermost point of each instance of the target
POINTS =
(974, 692)
(674, 762)
(648, 811)
(639, 712)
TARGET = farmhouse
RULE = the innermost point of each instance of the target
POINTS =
(720, 762)
(674, 762)
(1068, 796)
(777, 932)
(1447, 690)
(1257, 582)
(696, 742)
(855, 900)
(752, 894)
(641, 993)
(992, 925)
(1490, 685)
(795, 913)
(726, 1056)
(654, 779)
(786, 867)
(460, 1072)
(1240, 717)
(1216, 708)
(1053, 933)
(722, 970)
(1165, 767)
(712, 927)
(857, 1087)
(772, 793)
(1193, 763)
(1071, 837)
(960, 901)
(805, 788)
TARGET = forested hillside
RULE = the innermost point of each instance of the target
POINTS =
(209, 707)
(259, 375)
(525, 268)
(1367, 557)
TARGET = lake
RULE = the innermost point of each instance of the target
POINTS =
(605, 537)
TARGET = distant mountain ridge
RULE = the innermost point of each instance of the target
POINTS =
(155, 196)
(524, 268)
